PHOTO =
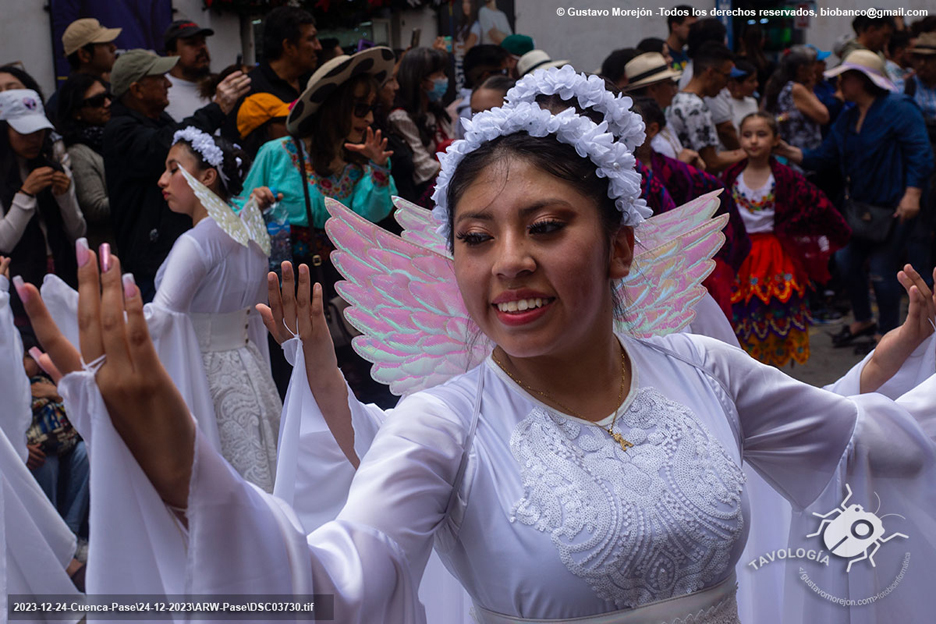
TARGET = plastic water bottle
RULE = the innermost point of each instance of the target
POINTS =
(277, 222)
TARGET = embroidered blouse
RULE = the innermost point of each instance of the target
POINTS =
(365, 190)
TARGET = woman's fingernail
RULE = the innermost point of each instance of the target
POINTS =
(82, 253)
(129, 285)
(35, 353)
(20, 287)
(105, 257)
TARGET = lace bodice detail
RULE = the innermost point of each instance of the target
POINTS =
(657, 521)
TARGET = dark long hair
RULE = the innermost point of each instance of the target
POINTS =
(28, 81)
(751, 38)
(234, 172)
(417, 65)
(10, 180)
(465, 22)
(70, 98)
(789, 67)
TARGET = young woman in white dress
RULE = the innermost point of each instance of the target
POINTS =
(207, 333)
(575, 473)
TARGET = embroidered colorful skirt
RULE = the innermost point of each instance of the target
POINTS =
(769, 308)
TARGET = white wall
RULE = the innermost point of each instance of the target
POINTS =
(26, 35)
(586, 41)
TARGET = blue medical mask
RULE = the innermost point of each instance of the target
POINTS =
(439, 87)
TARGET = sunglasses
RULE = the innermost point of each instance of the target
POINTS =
(361, 109)
(96, 101)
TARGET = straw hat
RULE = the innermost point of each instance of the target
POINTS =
(866, 62)
(925, 44)
(377, 62)
(648, 68)
(535, 59)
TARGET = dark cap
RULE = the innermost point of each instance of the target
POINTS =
(183, 29)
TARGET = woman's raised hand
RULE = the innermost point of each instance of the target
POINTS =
(301, 311)
(144, 405)
(897, 345)
(373, 147)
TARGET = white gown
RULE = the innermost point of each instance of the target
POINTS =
(548, 518)
(35, 543)
(211, 341)
(216, 282)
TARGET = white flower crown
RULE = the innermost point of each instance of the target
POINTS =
(613, 159)
(204, 144)
(590, 92)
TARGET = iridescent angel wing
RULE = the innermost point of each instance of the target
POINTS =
(404, 299)
(419, 226)
(243, 227)
(674, 254)
(416, 330)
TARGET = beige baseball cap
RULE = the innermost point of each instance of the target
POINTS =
(84, 31)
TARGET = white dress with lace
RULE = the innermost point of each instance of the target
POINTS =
(217, 281)
(547, 518)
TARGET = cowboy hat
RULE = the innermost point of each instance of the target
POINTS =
(377, 62)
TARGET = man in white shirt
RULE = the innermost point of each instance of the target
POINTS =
(494, 25)
(187, 40)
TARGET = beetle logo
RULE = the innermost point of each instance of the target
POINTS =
(852, 532)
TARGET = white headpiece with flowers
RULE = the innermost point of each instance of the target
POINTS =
(204, 144)
(402, 291)
(590, 92)
(609, 148)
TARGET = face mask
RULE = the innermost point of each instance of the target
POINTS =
(439, 87)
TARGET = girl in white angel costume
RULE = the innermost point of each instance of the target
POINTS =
(573, 472)
(202, 319)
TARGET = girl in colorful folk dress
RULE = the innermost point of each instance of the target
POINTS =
(793, 229)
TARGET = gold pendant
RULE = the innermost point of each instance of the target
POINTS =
(620, 440)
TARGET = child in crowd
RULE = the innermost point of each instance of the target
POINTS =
(742, 90)
(793, 229)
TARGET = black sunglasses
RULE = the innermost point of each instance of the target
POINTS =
(96, 101)
(361, 109)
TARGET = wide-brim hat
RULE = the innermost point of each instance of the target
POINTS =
(377, 62)
(23, 110)
(536, 59)
(866, 62)
(648, 68)
(925, 44)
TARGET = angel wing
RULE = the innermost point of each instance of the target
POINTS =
(246, 226)
(404, 300)
(665, 282)
(419, 226)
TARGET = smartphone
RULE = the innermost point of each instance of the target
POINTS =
(448, 44)
(414, 39)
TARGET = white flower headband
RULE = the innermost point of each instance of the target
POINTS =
(612, 158)
(591, 92)
(202, 143)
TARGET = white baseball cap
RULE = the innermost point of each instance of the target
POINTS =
(23, 110)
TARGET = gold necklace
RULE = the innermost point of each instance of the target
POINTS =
(625, 444)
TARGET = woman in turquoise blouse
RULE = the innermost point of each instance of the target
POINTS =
(340, 157)
(332, 151)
